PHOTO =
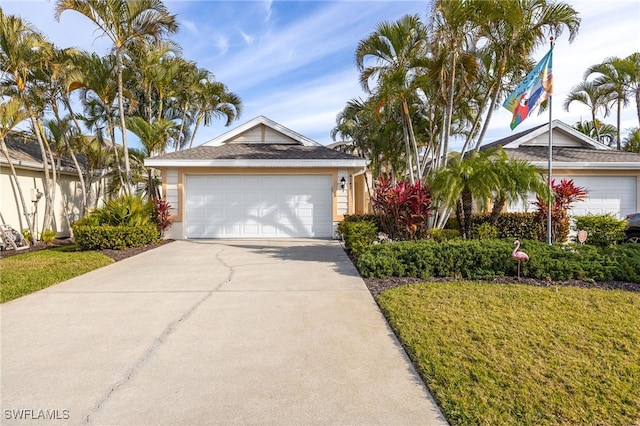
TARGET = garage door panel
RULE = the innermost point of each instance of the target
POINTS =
(615, 195)
(255, 206)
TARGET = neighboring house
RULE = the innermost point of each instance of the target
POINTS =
(612, 178)
(260, 180)
(27, 161)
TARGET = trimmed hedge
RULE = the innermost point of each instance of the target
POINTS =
(91, 237)
(358, 236)
(602, 230)
(359, 231)
(473, 259)
(524, 226)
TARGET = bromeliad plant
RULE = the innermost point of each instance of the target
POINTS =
(565, 195)
(403, 208)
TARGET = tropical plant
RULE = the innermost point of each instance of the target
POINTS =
(124, 22)
(565, 194)
(612, 78)
(463, 180)
(594, 97)
(632, 141)
(161, 214)
(602, 132)
(510, 31)
(396, 50)
(403, 208)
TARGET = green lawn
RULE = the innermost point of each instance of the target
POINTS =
(25, 273)
(515, 354)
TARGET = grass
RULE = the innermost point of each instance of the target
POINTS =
(30, 272)
(514, 354)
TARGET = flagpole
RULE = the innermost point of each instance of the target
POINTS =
(549, 164)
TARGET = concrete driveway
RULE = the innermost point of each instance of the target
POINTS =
(210, 332)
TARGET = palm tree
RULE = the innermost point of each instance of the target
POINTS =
(632, 141)
(398, 50)
(453, 29)
(594, 97)
(11, 114)
(462, 180)
(124, 22)
(24, 56)
(98, 92)
(512, 31)
(602, 132)
(613, 80)
(213, 99)
(515, 180)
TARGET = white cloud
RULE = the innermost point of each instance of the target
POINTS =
(247, 38)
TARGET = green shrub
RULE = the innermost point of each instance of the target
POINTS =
(602, 230)
(48, 235)
(126, 210)
(485, 231)
(27, 236)
(358, 236)
(474, 259)
(365, 217)
(89, 237)
(523, 226)
(626, 262)
(445, 234)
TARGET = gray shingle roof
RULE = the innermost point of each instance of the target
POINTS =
(24, 149)
(564, 154)
(238, 151)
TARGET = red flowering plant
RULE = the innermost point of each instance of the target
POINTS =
(161, 214)
(565, 195)
(403, 208)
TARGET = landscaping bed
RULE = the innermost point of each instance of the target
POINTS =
(378, 285)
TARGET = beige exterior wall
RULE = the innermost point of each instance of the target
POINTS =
(174, 191)
(67, 202)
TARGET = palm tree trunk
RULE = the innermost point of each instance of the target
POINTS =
(123, 126)
(180, 134)
(618, 142)
(83, 187)
(449, 110)
(412, 137)
(492, 100)
(47, 179)
(467, 209)
(195, 130)
(14, 175)
(408, 154)
(112, 135)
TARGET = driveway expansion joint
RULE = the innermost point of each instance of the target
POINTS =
(160, 340)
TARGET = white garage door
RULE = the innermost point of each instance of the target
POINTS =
(607, 194)
(258, 206)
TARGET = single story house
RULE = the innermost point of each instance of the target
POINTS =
(611, 177)
(260, 180)
(26, 157)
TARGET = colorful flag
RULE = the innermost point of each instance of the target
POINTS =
(536, 88)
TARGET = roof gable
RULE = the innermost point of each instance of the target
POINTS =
(261, 130)
(563, 136)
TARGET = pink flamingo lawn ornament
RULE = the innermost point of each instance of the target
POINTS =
(519, 255)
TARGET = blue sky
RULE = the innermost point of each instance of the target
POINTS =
(293, 61)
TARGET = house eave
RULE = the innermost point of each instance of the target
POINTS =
(588, 165)
(256, 163)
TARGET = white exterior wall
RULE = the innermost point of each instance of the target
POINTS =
(67, 202)
(342, 195)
